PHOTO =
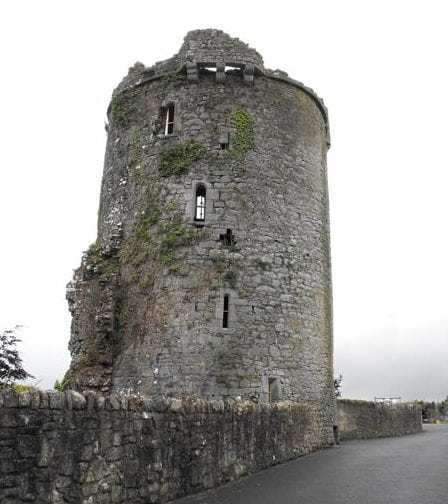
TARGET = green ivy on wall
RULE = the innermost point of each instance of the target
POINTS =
(177, 158)
(243, 124)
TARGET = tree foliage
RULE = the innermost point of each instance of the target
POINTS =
(65, 384)
(11, 368)
(337, 385)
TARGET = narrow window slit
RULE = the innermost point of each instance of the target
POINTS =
(273, 391)
(225, 312)
(199, 213)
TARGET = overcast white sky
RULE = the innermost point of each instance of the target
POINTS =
(380, 66)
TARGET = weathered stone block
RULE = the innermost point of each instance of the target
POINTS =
(10, 400)
(75, 400)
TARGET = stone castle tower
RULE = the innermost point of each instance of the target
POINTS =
(211, 272)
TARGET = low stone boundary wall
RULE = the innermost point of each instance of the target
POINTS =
(364, 420)
(64, 447)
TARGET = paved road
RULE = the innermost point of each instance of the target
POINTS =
(406, 470)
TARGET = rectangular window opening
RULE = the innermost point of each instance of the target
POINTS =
(199, 213)
(273, 392)
(224, 141)
(200, 208)
(169, 123)
(207, 67)
(232, 69)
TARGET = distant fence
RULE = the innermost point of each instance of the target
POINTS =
(364, 420)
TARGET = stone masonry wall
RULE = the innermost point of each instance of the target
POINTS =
(89, 449)
(364, 420)
(148, 297)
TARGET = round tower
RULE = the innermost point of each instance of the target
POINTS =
(211, 273)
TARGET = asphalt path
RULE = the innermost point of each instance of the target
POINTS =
(404, 470)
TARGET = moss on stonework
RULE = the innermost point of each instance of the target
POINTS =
(126, 251)
(174, 78)
(147, 283)
(123, 106)
(99, 261)
(243, 124)
(297, 344)
(158, 235)
(139, 247)
(95, 252)
(136, 150)
(134, 278)
(175, 234)
(177, 158)
(147, 218)
(228, 268)
(295, 324)
(172, 206)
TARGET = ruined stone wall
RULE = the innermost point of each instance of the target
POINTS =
(148, 298)
(212, 46)
(90, 449)
(365, 420)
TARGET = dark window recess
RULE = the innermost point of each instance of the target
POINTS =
(195, 307)
(273, 390)
(169, 120)
(224, 141)
(225, 312)
(228, 239)
(199, 213)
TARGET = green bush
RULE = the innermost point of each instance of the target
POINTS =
(65, 384)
